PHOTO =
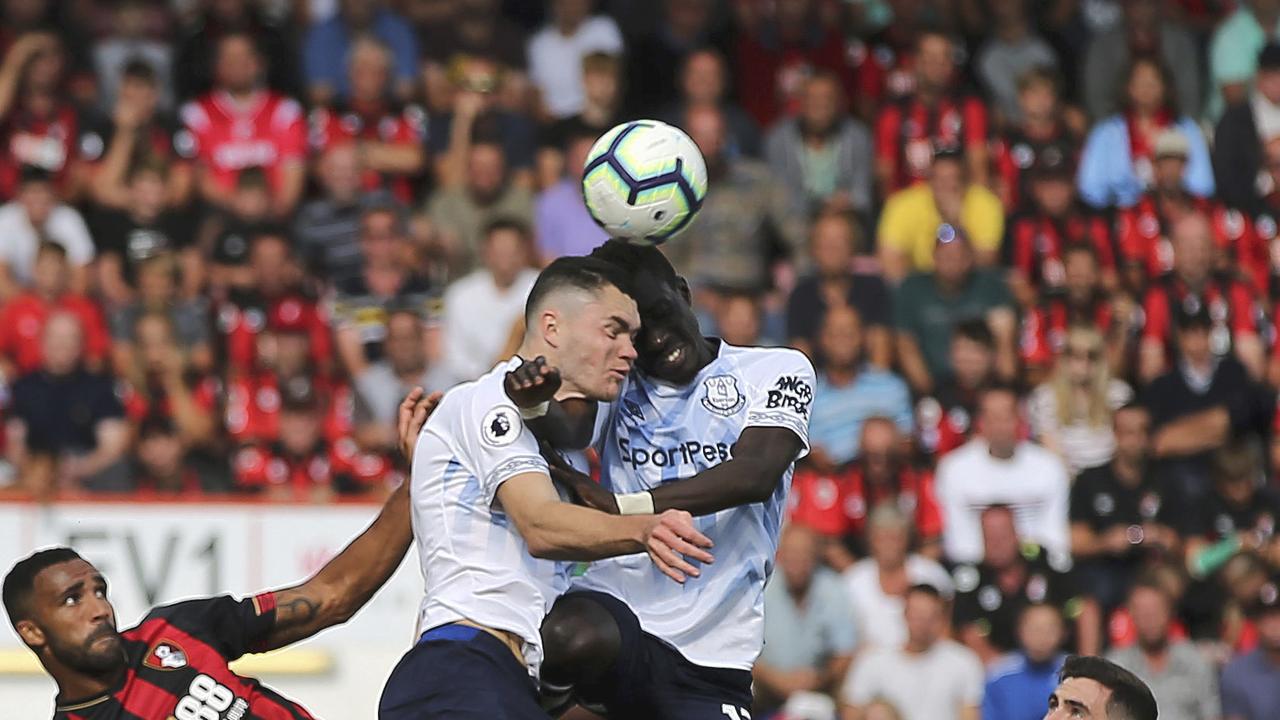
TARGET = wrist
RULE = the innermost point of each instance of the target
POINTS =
(640, 503)
(535, 412)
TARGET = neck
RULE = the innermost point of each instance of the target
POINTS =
(892, 564)
(1155, 652)
(568, 27)
(1004, 453)
(596, 114)
(243, 95)
(841, 376)
(1039, 125)
(411, 374)
(1128, 470)
(799, 594)
(915, 646)
(1011, 32)
(74, 685)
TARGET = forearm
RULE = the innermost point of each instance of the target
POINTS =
(1193, 434)
(292, 179)
(913, 366)
(1085, 543)
(108, 186)
(395, 158)
(560, 531)
(348, 581)
(740, 481)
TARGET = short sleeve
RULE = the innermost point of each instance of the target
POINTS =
(984, 219)
(860, 684)
(782, 394)
(498, 443)
(971, 679)
(233, 627)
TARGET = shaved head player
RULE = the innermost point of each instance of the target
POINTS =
(489, 524)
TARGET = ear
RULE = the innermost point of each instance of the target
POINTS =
(683, 286)
(549, 326)
(30, 633)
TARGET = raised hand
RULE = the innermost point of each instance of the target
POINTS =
(414, 411)
(532, 384)
(672, 538)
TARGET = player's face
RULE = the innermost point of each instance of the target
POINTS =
(1078, 698)
(669, 336)
(75, 622)
(596, 351)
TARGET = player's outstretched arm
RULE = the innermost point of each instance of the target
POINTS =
(760, 458)
(557, 530)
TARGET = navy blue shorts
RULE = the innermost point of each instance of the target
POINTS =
(652, 681)
(457, 671)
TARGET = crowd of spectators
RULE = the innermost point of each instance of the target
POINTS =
(1032, 248)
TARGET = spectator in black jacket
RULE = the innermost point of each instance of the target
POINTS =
(1238, 158)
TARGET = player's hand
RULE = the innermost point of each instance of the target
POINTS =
(414, 411)
(581, 487)
(670, 539)
(532, 384)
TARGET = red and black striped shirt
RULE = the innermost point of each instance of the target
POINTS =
(178, 667)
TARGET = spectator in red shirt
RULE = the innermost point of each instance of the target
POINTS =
(388, 136)
(38, 127)
(944, 420)
(1191, 285)
(161, 382)
(1036, 239)
(936, 115)
(777, 50)
(1046, 125)
(240, 125)
(22, 319)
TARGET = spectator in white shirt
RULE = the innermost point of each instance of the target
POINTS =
(556, 52)
(36, 215)
(928, 678)
(876, 585)
(483, 310)
(997, 468)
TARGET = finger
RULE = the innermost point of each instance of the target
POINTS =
(690, 551)
(666, 568)
(670, 556)
(690, 533)
(406, 409)
(433, 401)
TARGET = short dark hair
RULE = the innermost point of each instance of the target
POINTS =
(572, 271)
(1080, 248)
(507, 223)
(634, 257)
(139, 69)
(975, 330)
(21, 579)
(924, 589)
(49, 247)
(1131, 699)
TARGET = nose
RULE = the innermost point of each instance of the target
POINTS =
(628, 350)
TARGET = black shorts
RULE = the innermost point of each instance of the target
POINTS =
(463, 673)
(652, 681)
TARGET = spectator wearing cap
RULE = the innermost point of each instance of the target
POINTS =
(496, 292)
(326, 230)
(137, 132)
(1182, 681)
(934, 115)
(1240, 163)
(928, 305)
(1116, 165)
(747, 219)
(66, 428)
(562, 223)
(1194, 289)
(23, 318)
(1122, 515)
(878, 583)
(1012, 574)
(1052, 219)
(808, 628)
(556, 52)
(822, 155)
(387, 280)
(909, 222)
(1043, 125)
(1251, 682)
(998, 467)
(158, 278)
(1012, 47)
(927, 677)
(834, 240)
(1144, 230)
(142, 229)
(385, 383)
(329, 43)
(36, 215)
(1146, 28)
(1018, 683)
(387, 132)
(704, 82)
(1233, 52)
(849, 392)
(944, 415)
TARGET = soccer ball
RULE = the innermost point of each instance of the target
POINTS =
(644, 181)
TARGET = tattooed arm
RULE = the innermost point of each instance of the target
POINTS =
(347, 582)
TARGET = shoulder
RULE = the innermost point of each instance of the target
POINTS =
(1118, 393)
(959, 655)
(786, 131)
(598, 26)
(767, 364)
(1011, 664)
(285, 110)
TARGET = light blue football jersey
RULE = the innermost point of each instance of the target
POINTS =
(656, 433)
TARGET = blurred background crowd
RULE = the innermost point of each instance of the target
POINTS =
(1031, 246)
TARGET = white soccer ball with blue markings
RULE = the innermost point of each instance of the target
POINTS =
(644, 181)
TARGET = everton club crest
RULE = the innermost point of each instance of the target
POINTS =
(722, 395)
